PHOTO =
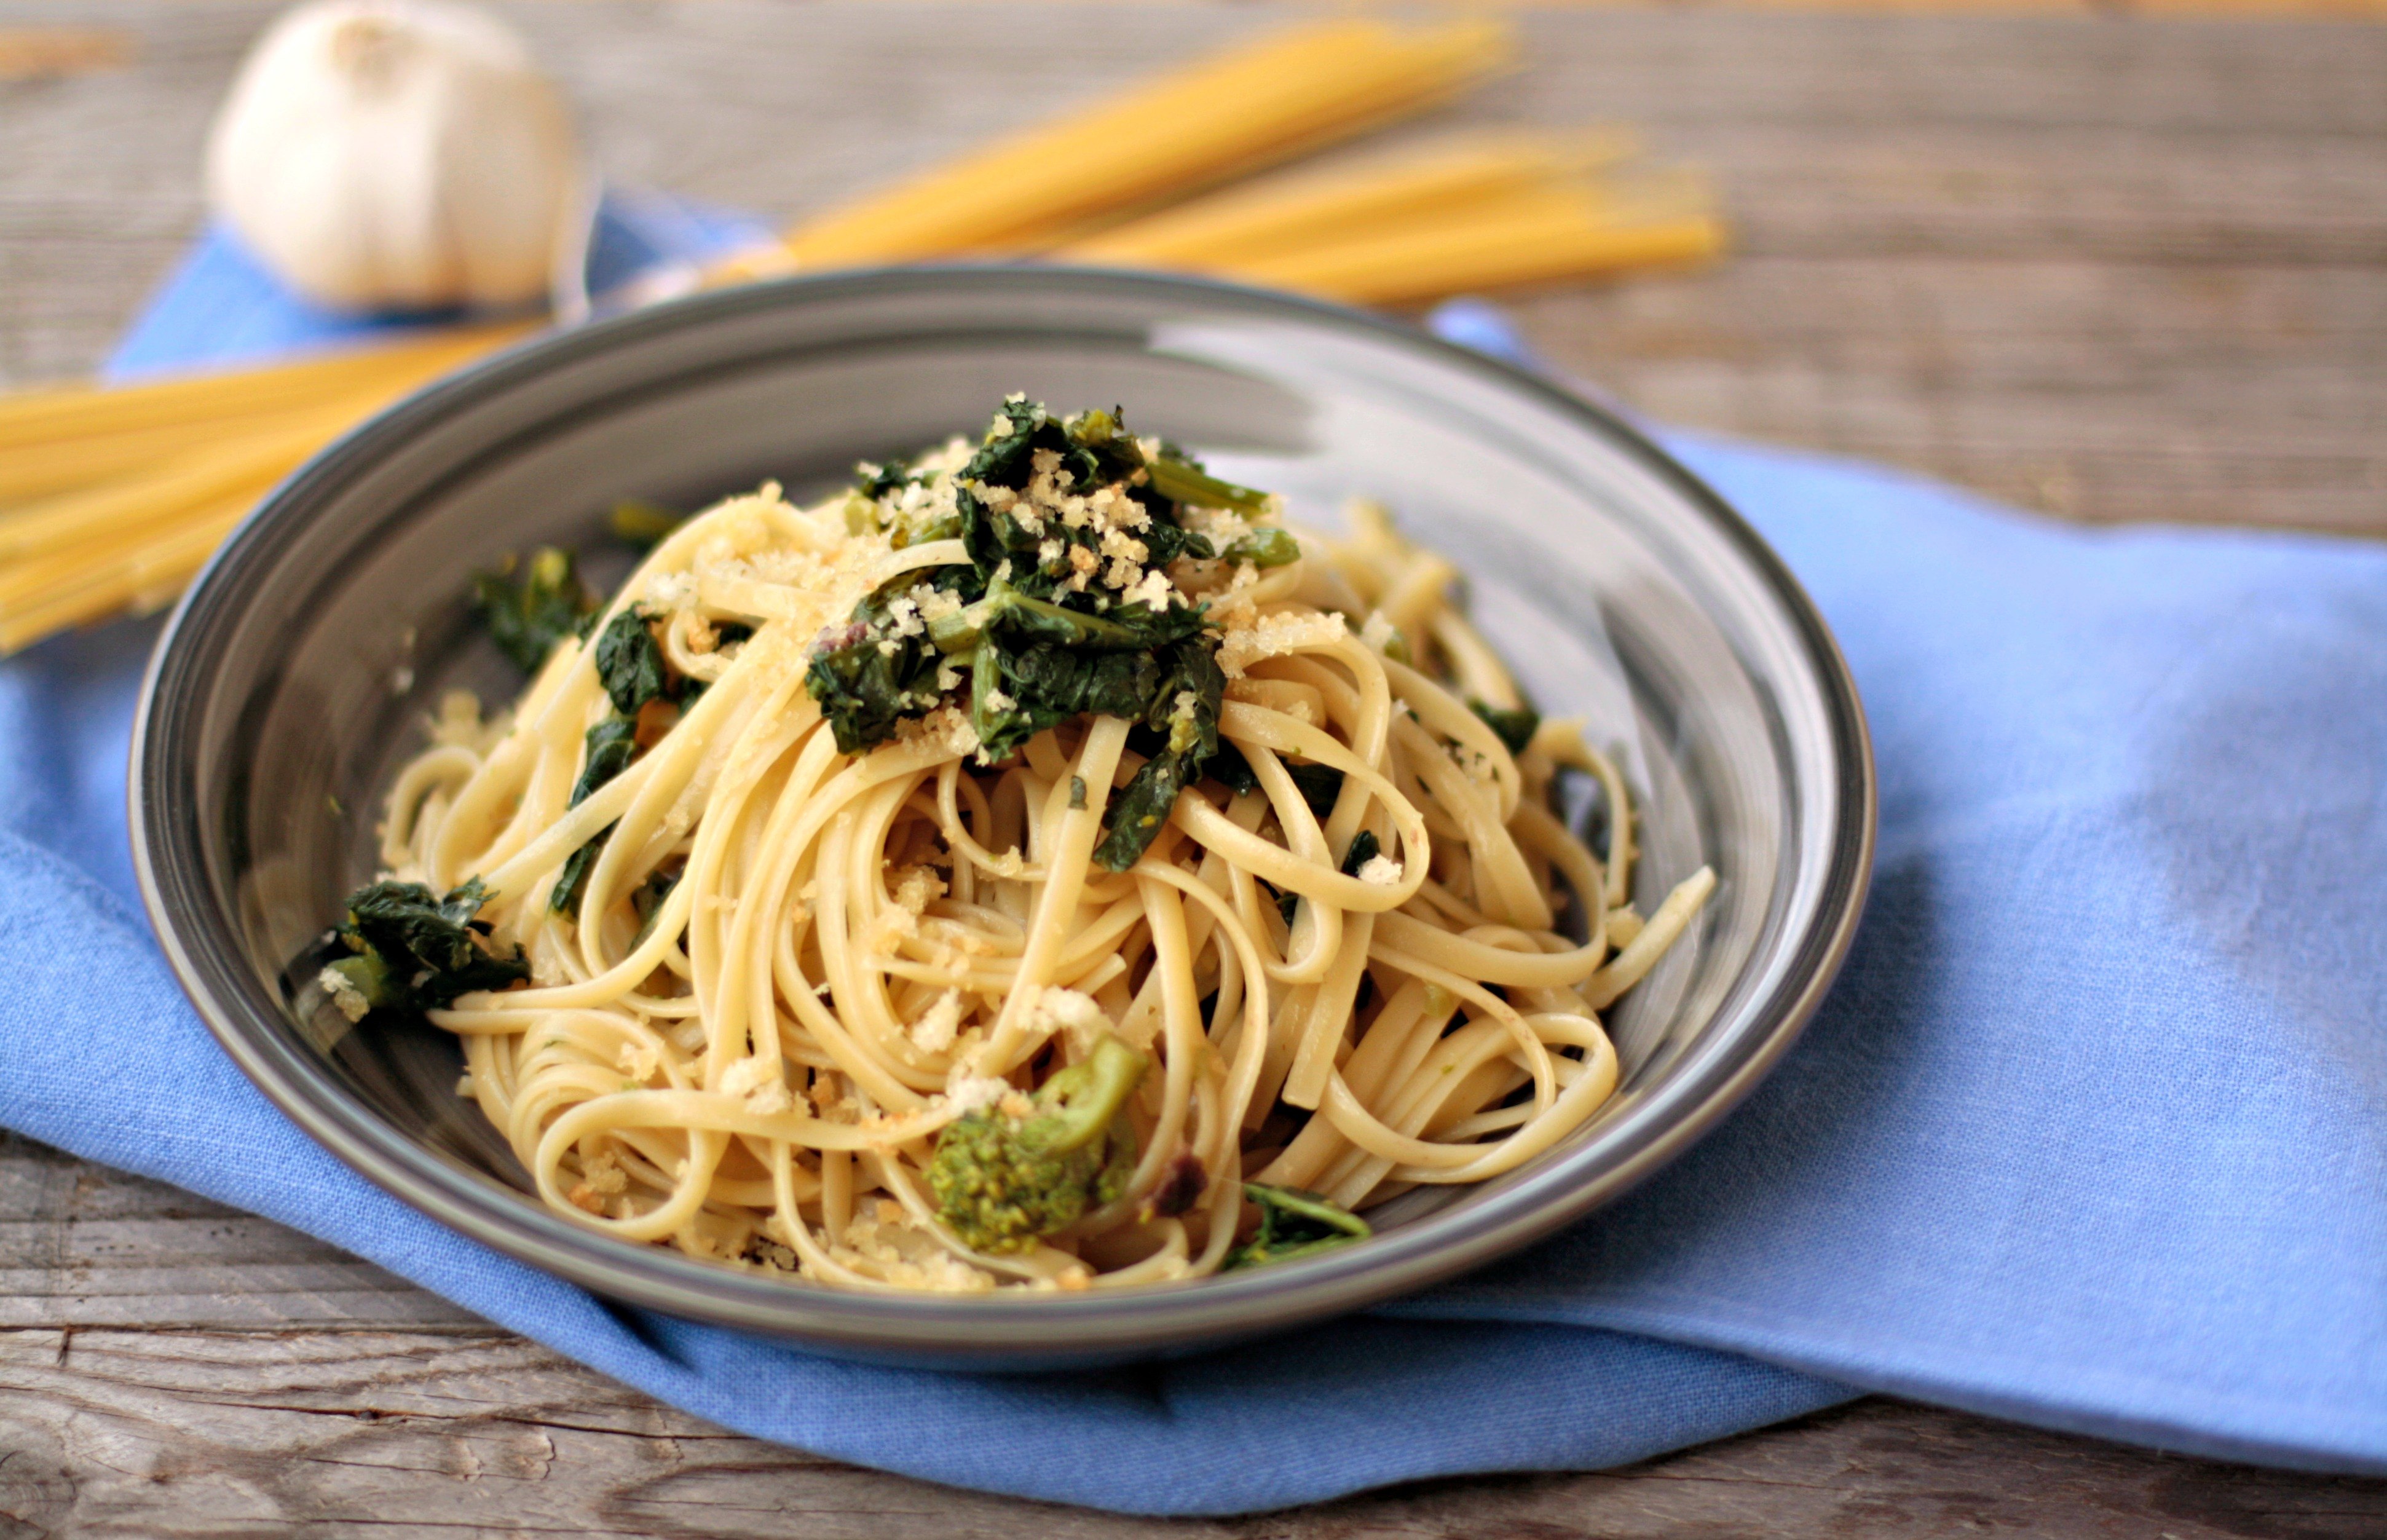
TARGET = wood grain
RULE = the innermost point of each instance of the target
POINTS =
(160, 1433)
(2111, 266)
(84, 1246)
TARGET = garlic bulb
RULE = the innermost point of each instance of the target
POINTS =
(407, 154)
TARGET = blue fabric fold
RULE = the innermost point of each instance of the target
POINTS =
(2089, 1133)
(220, 306)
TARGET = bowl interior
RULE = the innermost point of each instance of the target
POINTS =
(303, 666)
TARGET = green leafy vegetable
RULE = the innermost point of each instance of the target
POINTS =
(1051, 617)
(632, 667)
(1187, 737)
(865, 689)
(527, 616)
(611, 745)
(1320, 785)
(1514, 727)
(648, 897)
(630, 662)
(877, 481)
(1002, 1182)
(1234, 771)
(1017, 691)
(1092, 451)
(1294, 1224)
(413, 950)
(573, 881)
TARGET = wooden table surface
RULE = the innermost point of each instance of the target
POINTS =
(2103, 265)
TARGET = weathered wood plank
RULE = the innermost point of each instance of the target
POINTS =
(82, 1246)
(349, 1432)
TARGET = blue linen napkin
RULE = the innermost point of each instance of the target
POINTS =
(222, 307)
(2088, 1134)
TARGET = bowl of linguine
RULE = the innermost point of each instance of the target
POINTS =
(1001, 816)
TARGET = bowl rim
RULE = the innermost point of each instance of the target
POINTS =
(956, 1331)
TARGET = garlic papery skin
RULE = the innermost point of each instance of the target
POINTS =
(395, 155)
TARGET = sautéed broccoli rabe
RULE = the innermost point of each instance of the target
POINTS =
(1055, 601)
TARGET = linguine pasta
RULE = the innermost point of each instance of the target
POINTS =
(778, 985)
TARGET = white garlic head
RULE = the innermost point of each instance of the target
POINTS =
(396, 153)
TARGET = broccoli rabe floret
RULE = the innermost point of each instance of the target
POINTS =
(1002, 1182)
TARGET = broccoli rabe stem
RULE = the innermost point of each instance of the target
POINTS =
(1176, 480)
(1076, 1105)
(962, 630)
(1266, 547)
(368, 978)
(1004, 1182)
(1293, 1224)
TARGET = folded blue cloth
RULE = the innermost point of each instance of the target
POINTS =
(222, 307)
(2089, 1133)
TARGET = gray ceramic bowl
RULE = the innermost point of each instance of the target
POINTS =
(299, 671)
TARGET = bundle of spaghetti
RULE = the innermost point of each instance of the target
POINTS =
(1524, 210)
(792, 968)
(1252, 108)
(72, 418)
(82, 537)
(102, 488)
(1535, 240)
(1293, 210)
